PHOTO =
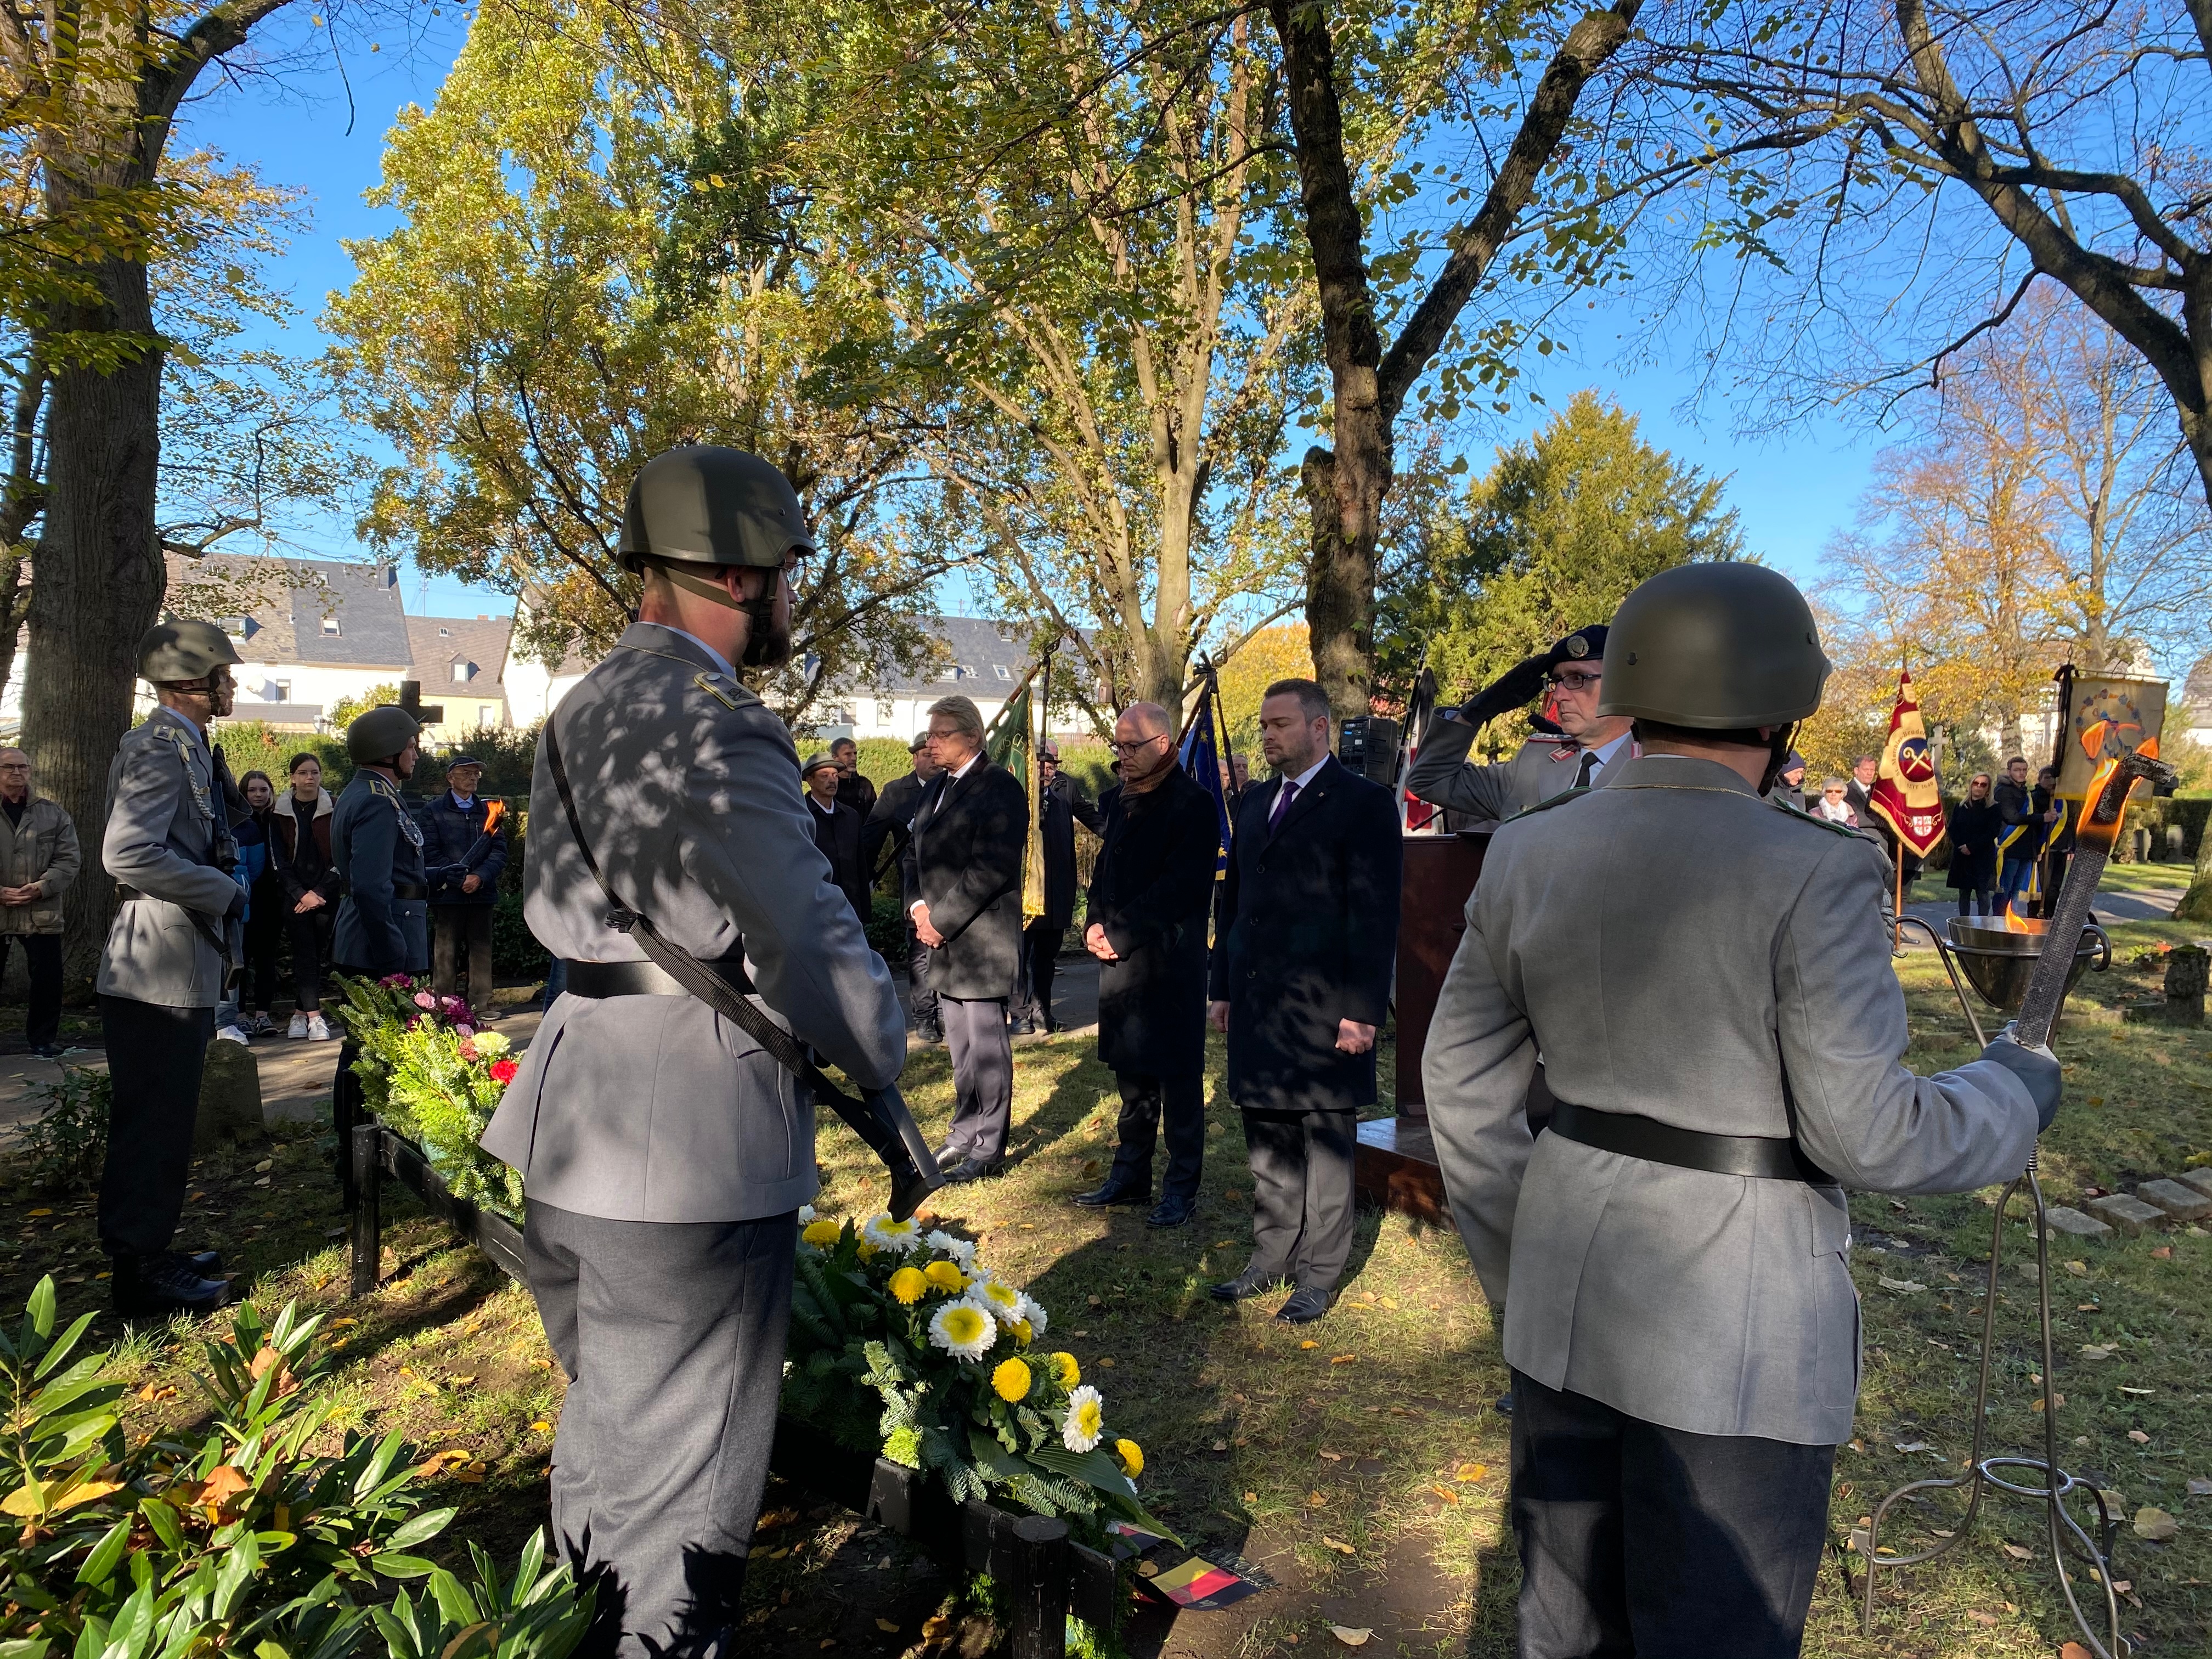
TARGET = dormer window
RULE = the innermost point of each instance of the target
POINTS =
(329, 627)
(445, 633)
(464, 673)
(1002, 671)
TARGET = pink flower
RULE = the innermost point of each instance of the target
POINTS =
(424, 1000)
(469, 1046)
(503, 1071)
(395, 981)
(464, 1032)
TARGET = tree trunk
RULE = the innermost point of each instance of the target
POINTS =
(99, 586)
(2196, 903)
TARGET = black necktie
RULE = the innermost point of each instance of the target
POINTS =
(1589, 766)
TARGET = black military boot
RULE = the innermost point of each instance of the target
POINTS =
(157, 1286)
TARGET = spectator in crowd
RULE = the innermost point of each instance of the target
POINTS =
(893, 821)
(265, 906)
(837, 832)
(1858, 795)
(2058, 838)
(1834, 803)
(1307, 936)
(1790, 782)
(383, 924)
(1061, 807)
(464, 848)
(1973, 828)
(300, 850)
(1146, 922)
(2017, 843)
(964, 867)
(856, 791)
(38, 859)
(1865, 771)
(168, 844)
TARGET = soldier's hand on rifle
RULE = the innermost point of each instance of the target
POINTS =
(2037, 1068)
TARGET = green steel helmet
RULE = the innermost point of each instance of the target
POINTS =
(381, 733)
(703, 504)
(1716, 648)
(177, 652)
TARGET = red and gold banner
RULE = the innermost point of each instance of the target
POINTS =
(1906, 797)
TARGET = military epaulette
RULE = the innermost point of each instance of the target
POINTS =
(723, 690)
(1803, 817)
(1546, 805)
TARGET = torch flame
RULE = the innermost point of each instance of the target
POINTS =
(494, 811)
(2093, 739)
(2094, 829)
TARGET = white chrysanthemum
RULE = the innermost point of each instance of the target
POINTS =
(963, 1328)
(1006, 1304)
(961, 1250)
(886, 1234)
(1086, 1420)
(806, 1214)
(1035, 1315)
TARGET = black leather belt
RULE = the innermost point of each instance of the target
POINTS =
(1765, 1156)
(644, 979)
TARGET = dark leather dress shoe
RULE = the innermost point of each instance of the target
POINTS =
(977, 1169)
(163, 1285)
(1113, 1192)
(1172, 1213)
(930, 1032)
(1246, 1285)
(1306, 1304)
(1022, 1028)
(950, 1156)
(206, 1263)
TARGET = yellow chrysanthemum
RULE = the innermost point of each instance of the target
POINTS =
(1023, 1332)
(1132, 1455)
(945, 1276)
(1011, 1382)
(1070, 1372)
(868, 1252)
(821, 1233)
(909, 1286)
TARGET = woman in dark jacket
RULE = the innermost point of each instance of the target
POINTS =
(1974, 828)
(265, 905)
(299, 851)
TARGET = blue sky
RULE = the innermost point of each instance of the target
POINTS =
(1795, 487)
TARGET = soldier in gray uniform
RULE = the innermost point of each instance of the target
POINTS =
(665, 1151)
(1706, 974)
(383, 925)
(1549, 764)
(169, 952)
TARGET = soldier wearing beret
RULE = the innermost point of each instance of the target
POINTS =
(1682, 1325)
(170, 951)
(1576, 756)
(383, 925)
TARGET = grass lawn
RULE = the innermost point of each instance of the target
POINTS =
(1359, 1463)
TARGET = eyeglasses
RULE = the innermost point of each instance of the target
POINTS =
(1576, 682)
(1141, 743)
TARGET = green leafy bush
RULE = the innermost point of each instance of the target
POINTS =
(514, 948)
(64, 1148)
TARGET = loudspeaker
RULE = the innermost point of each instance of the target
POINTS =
(1368, 747)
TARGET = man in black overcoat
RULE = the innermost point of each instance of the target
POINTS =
(893, 821)
(1307, 934)
(837, 834)
(965, 867)
(1061, 807)
(1146, 925)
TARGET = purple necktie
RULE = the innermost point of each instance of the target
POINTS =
(1284, 797)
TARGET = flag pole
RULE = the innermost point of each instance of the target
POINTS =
(1206, 678)
(1897, 916)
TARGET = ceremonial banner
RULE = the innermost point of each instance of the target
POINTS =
(1013, 740)
(1416, 816)
(2111, 716)
(1906, 797)
(1200, 757)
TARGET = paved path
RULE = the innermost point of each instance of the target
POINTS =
(2151, 904)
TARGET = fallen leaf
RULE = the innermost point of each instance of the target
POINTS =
(2139, 1436)
(2125, 1390)
(1338, 1545)
(1310, 1343)
(2163, 1253)
(541, 1426)
(2156, 1524)
(1349, 1636)
(1251, 1496)
(886, 1626)
(345, 1322)
(264, 1166)
(2079, 1269)
(1472, 1470)
(1106, 1362)
(40, 1213)
(1315, 1500)
(1981, 1617)
(1343, 1358)
(472, 1475)
(1334, 1457)
(1446, 1493)
(1222, 1243)
(2199, 1486)
(2018, 1553)
(1912, 1446)
(264, 1360)
(2093, 1353)
(2075, 1650)
(1221, 1445)
(1902, 1287)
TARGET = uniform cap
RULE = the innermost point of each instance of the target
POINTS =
(815, 763)
(1716, 647)
(381, 733)
(703, 504)
(458, 761)
(172, 652)
(920, 743)
(1583, 645)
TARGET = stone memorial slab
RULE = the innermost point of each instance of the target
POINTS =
(2200, 1179)
(2182, 1203)
(2065, 1220)
(2129, 1215)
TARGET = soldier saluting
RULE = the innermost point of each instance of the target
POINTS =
(383, 925)
(1682, 1326)
(665, 1145)
(167, 845)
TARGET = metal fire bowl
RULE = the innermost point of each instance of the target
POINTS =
(1999, 960)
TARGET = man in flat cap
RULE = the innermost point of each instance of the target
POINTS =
(837, 830)
(1549, 763)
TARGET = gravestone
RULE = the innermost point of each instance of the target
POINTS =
(2130, 1215)
(230, 1098)
(2182, 1203)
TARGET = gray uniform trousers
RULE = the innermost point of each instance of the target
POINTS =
(671, 1334)
(1302, 1170)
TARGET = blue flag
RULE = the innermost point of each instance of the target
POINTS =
(1201, 758)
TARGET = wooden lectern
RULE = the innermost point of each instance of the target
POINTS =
(1396, 1166)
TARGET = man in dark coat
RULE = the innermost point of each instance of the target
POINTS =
(464, 848)
(893, 821)
(856, 791)
(1146, 925)
(1061, 807)
(837, 832)
(1307, 934)
(964, 867)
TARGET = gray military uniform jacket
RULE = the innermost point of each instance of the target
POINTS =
(1683, 949)
(376, 848)
(654, 1108)
(164, 832)
(1442, 775)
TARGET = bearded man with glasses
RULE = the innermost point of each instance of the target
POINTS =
(1576, 756)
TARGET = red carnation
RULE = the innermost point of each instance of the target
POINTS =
(503, 1071)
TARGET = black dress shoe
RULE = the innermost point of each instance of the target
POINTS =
(1246, 1285)
(206, 1263)
(1022, 1028)
(929, 1031)
(1114, 1192)
(1172, 1213)
(161, 1285)
(977, 1169)
(950, 1156)
(1306, 1304)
